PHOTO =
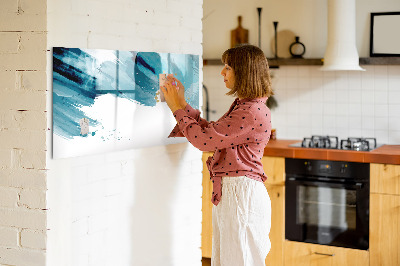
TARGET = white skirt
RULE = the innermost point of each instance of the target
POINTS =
(241, 223)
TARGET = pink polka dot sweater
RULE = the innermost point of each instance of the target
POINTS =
(238, 139)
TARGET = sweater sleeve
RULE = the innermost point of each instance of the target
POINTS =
(193, 113)
(229, 131)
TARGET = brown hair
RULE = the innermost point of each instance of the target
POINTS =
(250, 66)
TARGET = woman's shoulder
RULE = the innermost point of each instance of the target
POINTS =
(260, 110)
(253, 108)
(256, 104)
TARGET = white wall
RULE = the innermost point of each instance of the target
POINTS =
(311, 102)
(23, 133)
(305, 18)
(134, 207)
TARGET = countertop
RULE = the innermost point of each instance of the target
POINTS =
(389, 154)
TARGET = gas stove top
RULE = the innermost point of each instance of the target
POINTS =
(332, 142)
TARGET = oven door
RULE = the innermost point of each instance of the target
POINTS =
(327, 213)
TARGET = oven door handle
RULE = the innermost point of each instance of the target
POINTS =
(357, 185)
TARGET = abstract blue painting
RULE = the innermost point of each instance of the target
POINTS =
(106, 100)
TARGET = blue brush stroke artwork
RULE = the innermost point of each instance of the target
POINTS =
(81, 76)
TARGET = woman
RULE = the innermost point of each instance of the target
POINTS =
(242, 209)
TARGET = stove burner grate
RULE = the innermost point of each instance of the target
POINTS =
(358, 144)
(327, 142)
(332, 142)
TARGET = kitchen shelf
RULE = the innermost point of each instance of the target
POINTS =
(274, 63)
(380, 61)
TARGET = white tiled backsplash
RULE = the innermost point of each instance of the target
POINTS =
(314, 102)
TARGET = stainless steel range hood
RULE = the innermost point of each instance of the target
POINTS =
(341, 51)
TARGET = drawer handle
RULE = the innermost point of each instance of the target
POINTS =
(325, 254)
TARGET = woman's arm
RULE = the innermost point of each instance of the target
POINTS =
(239, 127)
(174, 93)
(193, 113)
(236, 128)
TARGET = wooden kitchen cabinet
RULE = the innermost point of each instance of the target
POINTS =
(274, 168)
(277, 233)
(384, 236)
(305, 254)
(385, 178)
(206, 225)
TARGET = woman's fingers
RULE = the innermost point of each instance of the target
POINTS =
(170, 93)
(171, 87)
(179, 88)
(180, 85)
(176, 82)
(170, 82)
(173, 94)
(164, 90)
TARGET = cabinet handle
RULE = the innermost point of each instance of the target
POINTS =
(325, 254)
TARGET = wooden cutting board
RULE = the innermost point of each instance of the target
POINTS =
(239, 35)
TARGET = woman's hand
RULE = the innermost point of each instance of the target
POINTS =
(181, 91)
(173, 91)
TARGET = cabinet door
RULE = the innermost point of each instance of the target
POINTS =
(274, 168)
(385, 178)
(277, 233)
(305, 254)
(384, 229)
(206, 232)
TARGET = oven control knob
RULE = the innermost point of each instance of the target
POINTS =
(343, 168)
(308, 166)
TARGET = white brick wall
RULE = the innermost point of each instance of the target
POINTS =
(22, 132)
(24, 256)
(9, 197)
(23, 218)
(134, 207)
(100, 206)
(9, 237)
(33, 239)
(23, 178)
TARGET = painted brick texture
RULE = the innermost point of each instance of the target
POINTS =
(9, 237)
(33, 239)
(9, 197)
(23, 218)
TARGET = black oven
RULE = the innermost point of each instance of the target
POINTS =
(327, 202)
